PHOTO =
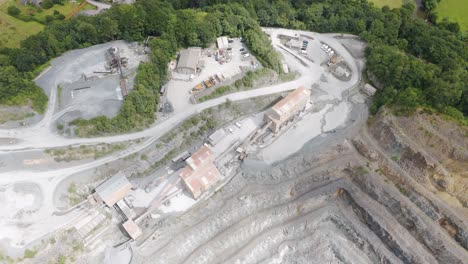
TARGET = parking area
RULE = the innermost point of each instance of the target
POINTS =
(179, 91)
(237, 132)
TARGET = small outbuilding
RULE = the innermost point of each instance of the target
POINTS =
(285, 68)
(369, 89)
(294, 43)
(114, 189)
(222, 42)
(188, 60)
(217, 136)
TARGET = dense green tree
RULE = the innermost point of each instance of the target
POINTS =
(17, 88)
(12, 10)
(410, 98)
(107, 28)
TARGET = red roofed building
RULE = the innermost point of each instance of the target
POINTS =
(287, 108)
(200, 173)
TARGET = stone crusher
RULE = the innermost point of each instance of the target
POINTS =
(116, 62)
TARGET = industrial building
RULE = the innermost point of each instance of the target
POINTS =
(200, 173)
(287, 108)
(113, 190)
(369, 89)
(113, 193)
(222, 42)
(188, 60)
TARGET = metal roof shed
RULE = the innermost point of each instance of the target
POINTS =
(217, 136)
(369, 89)
(188, 60)
(222, 42)
(114, 189)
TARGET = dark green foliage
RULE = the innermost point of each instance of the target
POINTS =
(46, 4)
(16, 88)
(430, 5)
(13, 10)
(259, 43)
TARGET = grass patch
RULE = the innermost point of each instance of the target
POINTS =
(35, 98)
(362, 170)
(454, 10)
(40, 68)
(64, 9)
(83, 151)
(72, 188)
(389, 3)
(29, 253)
(59, 95)
(14, 30)
(89, 7)
(5, 117)
(402, 189)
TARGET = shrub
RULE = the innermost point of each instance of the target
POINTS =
(46, 4)
(13, 11)
(61, 259)
(29, 253)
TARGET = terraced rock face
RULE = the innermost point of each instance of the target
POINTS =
(329, 207)
(433, 150)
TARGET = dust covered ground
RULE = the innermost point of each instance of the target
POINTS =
(344, 201)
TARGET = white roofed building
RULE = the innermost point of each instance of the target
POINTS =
(222, 42)
(369, 89)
